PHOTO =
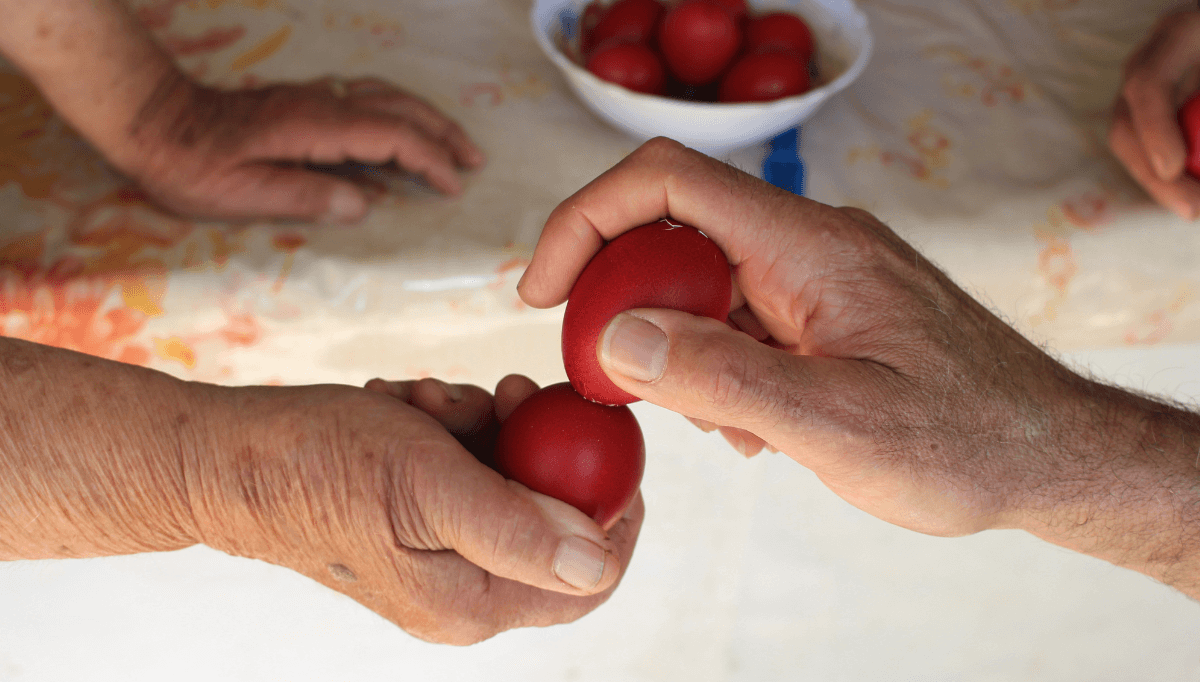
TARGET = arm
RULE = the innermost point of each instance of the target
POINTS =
(863, 362)
(91, 464)
(92, 60)
(225, 154)
(368, 494)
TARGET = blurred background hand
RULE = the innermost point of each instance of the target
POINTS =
(1145, 134)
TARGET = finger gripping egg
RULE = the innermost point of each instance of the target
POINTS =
(660, 265)
(588, 455)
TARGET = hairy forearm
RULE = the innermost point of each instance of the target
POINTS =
(91, 454)
(91, 59)
(1124, 485)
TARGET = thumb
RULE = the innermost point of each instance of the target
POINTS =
(264, 190)
(513, 532)
(703, 369)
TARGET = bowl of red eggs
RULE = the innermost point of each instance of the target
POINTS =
(716, 75)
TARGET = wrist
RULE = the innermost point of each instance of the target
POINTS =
(1117, 479)
(152, 134)
(93, 61)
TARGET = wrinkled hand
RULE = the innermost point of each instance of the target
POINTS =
(1159, 76)
(372, 496)
(243, 154)
(846, 349)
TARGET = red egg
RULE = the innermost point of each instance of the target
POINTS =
(1189, 123)
(660, 265)
(698, 39)
(626, 21)
(588, 455)
(763, 77)
(780, 31)
(630, 65)
(737, 8)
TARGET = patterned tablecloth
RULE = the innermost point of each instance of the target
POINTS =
(977, 132)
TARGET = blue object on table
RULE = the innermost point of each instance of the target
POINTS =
(567, 22)
(783, 166)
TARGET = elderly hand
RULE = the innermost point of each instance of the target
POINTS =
(368, 494)
(1159, 76)
(235, 154)
(373, 496)
(244, 153)
(859, 359)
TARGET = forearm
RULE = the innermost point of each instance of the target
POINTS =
(92, 60)
(91, 454)
(1123, 485)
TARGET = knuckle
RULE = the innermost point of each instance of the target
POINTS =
(1131, 88)
(730, 381)
(409, 495)
(510, 544)
(858, 214)
(661, 151)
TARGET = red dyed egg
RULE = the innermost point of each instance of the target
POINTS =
(588, 455)
(1189, 122)
(660, 265)
(780, 31)
(630, 65)
(627, 21)
(698, 39)
(763, 77)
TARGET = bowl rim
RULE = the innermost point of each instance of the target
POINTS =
(857, 18)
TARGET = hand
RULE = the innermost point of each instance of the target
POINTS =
(862, 361)
(1159, 76)
(243, 153)
(371, 497)
(223, 154)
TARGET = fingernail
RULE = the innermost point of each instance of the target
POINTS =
(579, 563)
(346, 205)
(453, 392)
(634, 347)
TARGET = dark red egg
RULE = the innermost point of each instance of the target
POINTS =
(626, 21)
(660, 265)
(763, 77)
(1189, 123)
(630, 65)
(737, 8)
(588, 455)
(780, 31)
(698, 39)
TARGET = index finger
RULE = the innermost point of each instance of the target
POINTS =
(661, 178)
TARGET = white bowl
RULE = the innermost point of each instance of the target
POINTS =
(843, 47)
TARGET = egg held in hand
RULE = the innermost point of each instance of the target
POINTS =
(660, 265)
(1189, 123)
(588, 455)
